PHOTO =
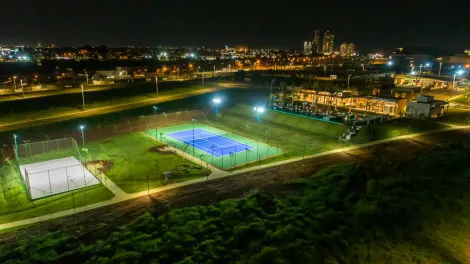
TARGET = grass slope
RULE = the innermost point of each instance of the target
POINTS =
(416, 211)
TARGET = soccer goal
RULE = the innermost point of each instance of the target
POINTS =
(52, 167)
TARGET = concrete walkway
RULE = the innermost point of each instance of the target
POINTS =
(121, 196)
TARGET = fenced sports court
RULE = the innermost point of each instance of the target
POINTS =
(214, 146)
(52, 167)
(209, 142)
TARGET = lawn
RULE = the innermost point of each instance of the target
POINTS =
(15, 204)
(395, 128)
(249, 151)
(111, 100)
(457, 116)
(295, 135)
(133, 161)
(298, 136)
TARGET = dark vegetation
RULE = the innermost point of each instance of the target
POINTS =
(415, 211)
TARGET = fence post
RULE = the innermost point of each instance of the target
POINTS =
(67, 178)
(50, 185)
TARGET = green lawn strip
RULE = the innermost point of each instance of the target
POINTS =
(259, 149)
(395, 128)
(110, 101)
(457, 116)
(133, 162)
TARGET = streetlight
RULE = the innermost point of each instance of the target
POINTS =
(216, 102)
(259, 110)
(362, 67)
(194, 120)
(15, 137)
(82, 128)
(156, 83)
(155, 108)
(83, 97)
(349, 77)
(14, 82)
(440, 67)
(458, 73)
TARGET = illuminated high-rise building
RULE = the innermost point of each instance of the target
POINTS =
(347, 49)
(328, 42)
(307, 48)
(316, 47)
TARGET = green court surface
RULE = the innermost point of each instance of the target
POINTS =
(259, 150)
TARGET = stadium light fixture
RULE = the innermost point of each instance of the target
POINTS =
(15, 137)
(259, 110)
(82, 128)
(217, 101)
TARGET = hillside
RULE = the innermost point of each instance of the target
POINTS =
(416, 211)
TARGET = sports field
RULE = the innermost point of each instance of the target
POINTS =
(214, 146)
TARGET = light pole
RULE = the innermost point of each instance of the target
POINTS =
(440, 67)
(155, 108)
(156, 83)
(83, 98)
(214, 70)
(468, 67)
(82, 128)
(363, 67)
(271, 93)
(349, 77)
(14, 82)
(15, 137)
(216, 102)
(458, 73)
(22, 88)
(194, 120)
(259, 110)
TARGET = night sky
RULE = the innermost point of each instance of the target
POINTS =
(373, 26)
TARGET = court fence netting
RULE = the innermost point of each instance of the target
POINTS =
(51, 167)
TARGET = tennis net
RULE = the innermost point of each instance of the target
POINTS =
(204, 139)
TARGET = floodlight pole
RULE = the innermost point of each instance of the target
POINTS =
(83, 140)
(155, 108)
(16, 146)
(156, 83)
(193, 136)
(83, 98)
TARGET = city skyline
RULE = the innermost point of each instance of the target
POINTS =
(370, 25)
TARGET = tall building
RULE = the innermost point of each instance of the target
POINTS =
(316, 47)
(343, 49)
(328, 42)
(351, 49)
(307, 48)
(347, 49)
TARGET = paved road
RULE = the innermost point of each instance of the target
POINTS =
(108, 109)
(392, 148)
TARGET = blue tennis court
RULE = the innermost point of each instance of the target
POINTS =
(216, 145)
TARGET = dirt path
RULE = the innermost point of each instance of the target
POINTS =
(101, 221)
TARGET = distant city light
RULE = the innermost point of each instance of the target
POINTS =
(413, 73)
(427, 64)
(192, 55)
(217, 100)
(390, 63)
(460, 72)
